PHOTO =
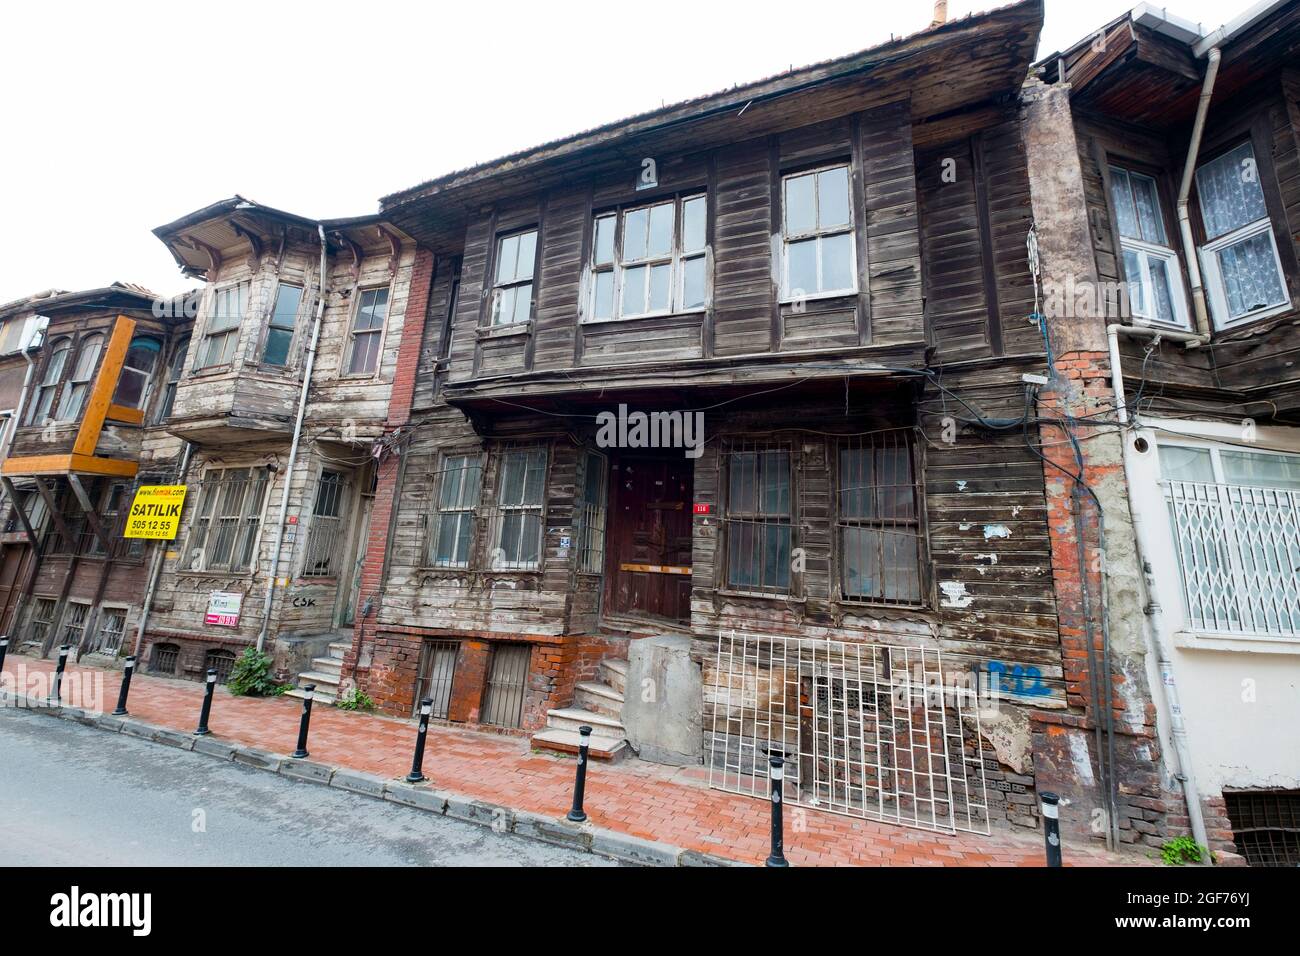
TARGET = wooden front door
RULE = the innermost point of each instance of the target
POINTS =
(649, 560)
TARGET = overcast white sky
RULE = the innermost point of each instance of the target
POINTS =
(119, 117)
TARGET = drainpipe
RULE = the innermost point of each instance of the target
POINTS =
(293, 447)
(1184, 190)
(159, 555)
(1154, 613)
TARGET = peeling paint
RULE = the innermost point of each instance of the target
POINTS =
(989, 558)
(961, 486)
(996, 531)
(965, 526)
(1079, 757)
(954, 594)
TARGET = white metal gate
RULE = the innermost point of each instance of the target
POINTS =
(867, 730)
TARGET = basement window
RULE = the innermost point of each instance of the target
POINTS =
(512, 290)
(1243, 272)
(503, 700)
(163, 658)
(223, 662)
(1266, 826)
(759, 523)
(43, 618)
(218, 346)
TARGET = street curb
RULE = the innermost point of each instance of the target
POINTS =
(598, 841)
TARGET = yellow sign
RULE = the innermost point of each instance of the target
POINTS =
(156, 512)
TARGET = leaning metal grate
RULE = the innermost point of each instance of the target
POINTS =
(1266, 826)
(503, 702)
(867, 730)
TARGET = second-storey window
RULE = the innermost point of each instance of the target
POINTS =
(820, 256)
(650, 260)
(133, 384)
(222, 333)
(45, 392)
(452, 534)
(280, 326)
(759, 519)
(77, 388)
(1150, 265)
(519, 509)
(512, 289)
(1243, 273)
(173, 378)
(367, 331)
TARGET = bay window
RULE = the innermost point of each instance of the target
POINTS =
(222, 334)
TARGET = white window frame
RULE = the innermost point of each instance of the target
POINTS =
(818, 233)
(1145, 251)
(220, 295)
(498, 534)
(1209, 254)
(676, 259)
(353, 333)
(517, 279)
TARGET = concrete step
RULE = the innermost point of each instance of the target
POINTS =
(339, 648)
(601, 698)
(327, 665)
(566, 741)
(317, 697)
(613, 672)
(323, 680)
(571, 718)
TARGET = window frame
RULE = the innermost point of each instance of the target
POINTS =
(1146, 248)
(759, 517)
(175, 373)
(74, 387)
(333, 491)
(353, 334)
(201, 363)
(676, 259)
(269, 327)
(501, 510)
(591, 535)
(819, 233)
(467, 509)
(245, 516)
(61, 348)
(150, 376)
(1208, 249)
(498, 286)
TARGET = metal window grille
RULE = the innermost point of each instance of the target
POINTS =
(451, 528)
(43, 618)
(223, 661)
(878, 525)
(1239, 556)
(223, 531)
(759, 517)
(867, 730)
(325, 540)
(518, 513)
(74, 623)
(1266, 826)
(163, 658)
(112, 628)
(437, 669)
(591, 514)
(503, 702)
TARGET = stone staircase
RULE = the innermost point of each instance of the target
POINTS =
(599, 705)
(325, 673)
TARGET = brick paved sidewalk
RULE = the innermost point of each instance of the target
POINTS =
(665, 804)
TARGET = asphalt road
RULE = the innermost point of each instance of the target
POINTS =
(76, 796)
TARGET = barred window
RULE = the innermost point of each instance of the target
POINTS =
(878, 533)
(590, 517)
(519, 509)
(43, 618)
(74, 623)
(325, 539)
(222, 661)
(112, 628)
(759, 518)
(223, 531)
(451, 537)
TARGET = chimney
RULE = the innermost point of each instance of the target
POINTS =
(940, 14)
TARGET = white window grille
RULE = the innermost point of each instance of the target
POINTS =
(1240, 260)
(1235, 517)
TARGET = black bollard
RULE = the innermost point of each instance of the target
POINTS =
(1052, 827)
(202, 729)
(127, 669)
(776, 772)
(56, 694)
(4, 649)
(576, 814)
(305, 723)
(417, 762)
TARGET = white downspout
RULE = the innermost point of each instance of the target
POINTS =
(308, 365)
(1184, 190)
(1154, 615)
